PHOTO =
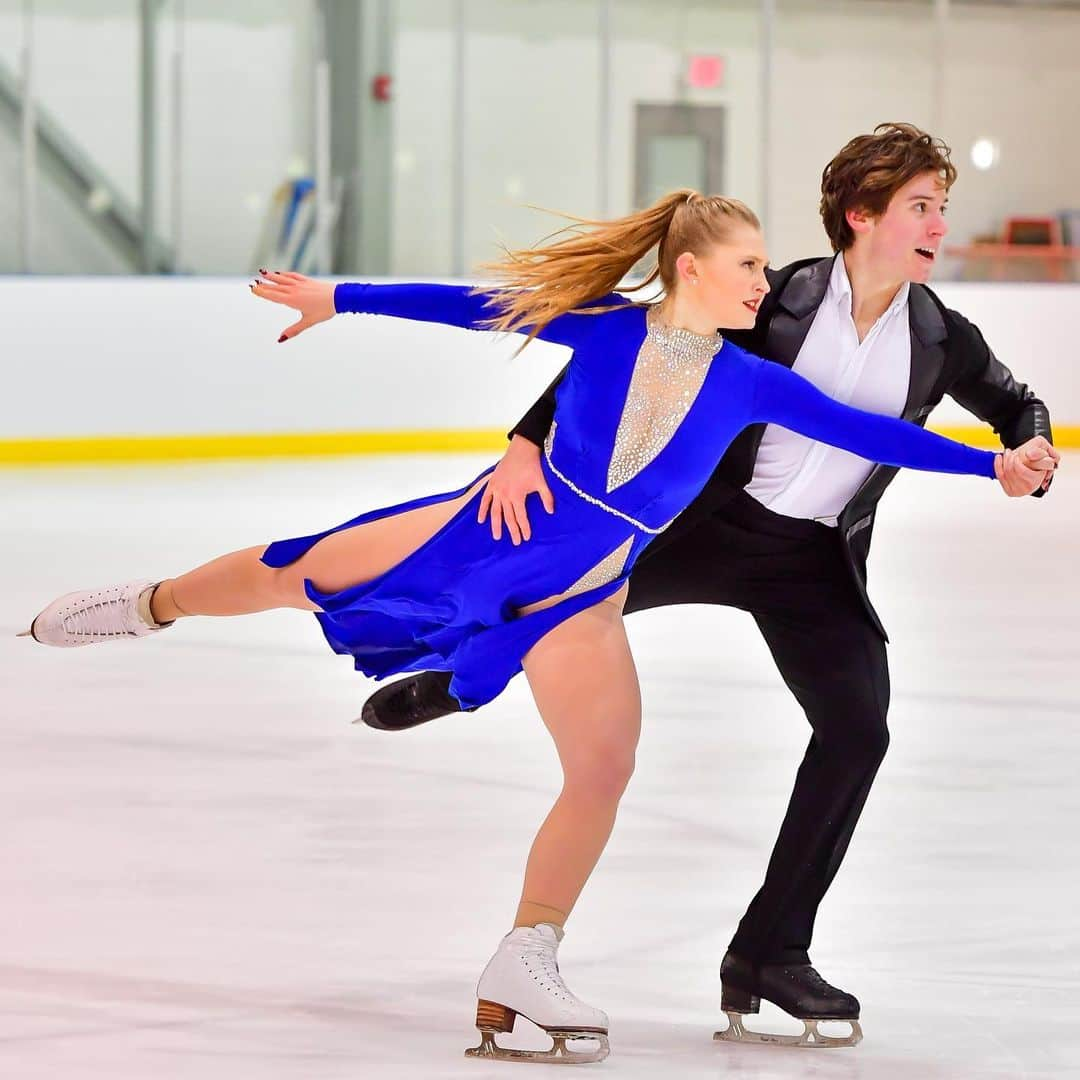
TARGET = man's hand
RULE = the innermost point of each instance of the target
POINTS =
(516, 476)
(1027, 468)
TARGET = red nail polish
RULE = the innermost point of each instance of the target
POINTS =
(282, 338)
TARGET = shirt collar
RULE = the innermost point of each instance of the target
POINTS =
(840, 290)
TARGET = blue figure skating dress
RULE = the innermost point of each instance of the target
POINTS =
(642, 418)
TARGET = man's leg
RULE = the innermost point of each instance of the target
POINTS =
(790, 575)
(835, 664)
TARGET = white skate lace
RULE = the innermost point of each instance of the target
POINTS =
(540, 962)
(87, 621)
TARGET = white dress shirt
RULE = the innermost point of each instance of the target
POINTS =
(794, 475)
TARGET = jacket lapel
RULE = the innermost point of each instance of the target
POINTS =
(928, 336)
(798, 305)
(796, 308)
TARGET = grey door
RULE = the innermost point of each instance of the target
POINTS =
(678, 146)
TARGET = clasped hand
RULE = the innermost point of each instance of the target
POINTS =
(1027, 468)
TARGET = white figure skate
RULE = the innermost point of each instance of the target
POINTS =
(92, 617)
(523, 978)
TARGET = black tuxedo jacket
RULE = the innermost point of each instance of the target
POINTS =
(948, 356)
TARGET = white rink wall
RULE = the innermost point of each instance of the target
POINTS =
(166, 356)
(154, 356)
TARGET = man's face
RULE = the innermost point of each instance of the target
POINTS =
(905, 241)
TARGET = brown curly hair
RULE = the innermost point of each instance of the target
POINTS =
(871, 169)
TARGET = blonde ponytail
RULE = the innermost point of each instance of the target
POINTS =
(585, 261)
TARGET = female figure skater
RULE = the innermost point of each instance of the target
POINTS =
(652, 398)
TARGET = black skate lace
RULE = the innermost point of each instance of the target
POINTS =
(816, 981)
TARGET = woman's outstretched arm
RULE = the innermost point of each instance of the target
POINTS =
(452, 305)
(784, 398)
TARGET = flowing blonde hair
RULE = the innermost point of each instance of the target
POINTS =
(586, 260)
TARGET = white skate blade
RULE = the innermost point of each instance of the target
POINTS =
(811, 1037)
(559, 1054)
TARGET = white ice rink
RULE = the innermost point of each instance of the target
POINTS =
(208, 873)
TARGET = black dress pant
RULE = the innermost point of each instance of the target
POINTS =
(790, 575)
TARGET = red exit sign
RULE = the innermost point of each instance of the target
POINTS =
(704, 71)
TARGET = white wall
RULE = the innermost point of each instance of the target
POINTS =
(532, 118)
(840, 68)
(133, 356)
(533, 113)
(64, 241)
(1009, 74)
(245, 109)
(158, 356)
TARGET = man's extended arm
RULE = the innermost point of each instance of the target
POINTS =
(986, 388)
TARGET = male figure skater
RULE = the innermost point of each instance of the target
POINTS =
(794, 519)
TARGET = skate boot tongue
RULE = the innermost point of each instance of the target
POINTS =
(550, 931)
(541, 944)
(543, 935)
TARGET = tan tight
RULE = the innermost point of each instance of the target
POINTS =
(239, 584)
(586, 688)
(581, 674)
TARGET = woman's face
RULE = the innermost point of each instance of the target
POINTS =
(728, 280)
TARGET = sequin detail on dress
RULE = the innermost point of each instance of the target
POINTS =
(549, 442)
(669, 372)
(608, 569)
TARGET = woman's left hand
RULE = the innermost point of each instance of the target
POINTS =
(313, 299)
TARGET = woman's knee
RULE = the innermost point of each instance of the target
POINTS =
(600, 772)
(285, 585)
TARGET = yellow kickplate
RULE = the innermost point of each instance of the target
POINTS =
(139, 449)
(144, 449)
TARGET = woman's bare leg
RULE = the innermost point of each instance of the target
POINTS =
(586, 688)
(581, 674)
(239, 584)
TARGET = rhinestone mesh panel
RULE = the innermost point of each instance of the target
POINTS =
(669, 371)
(607, 569)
